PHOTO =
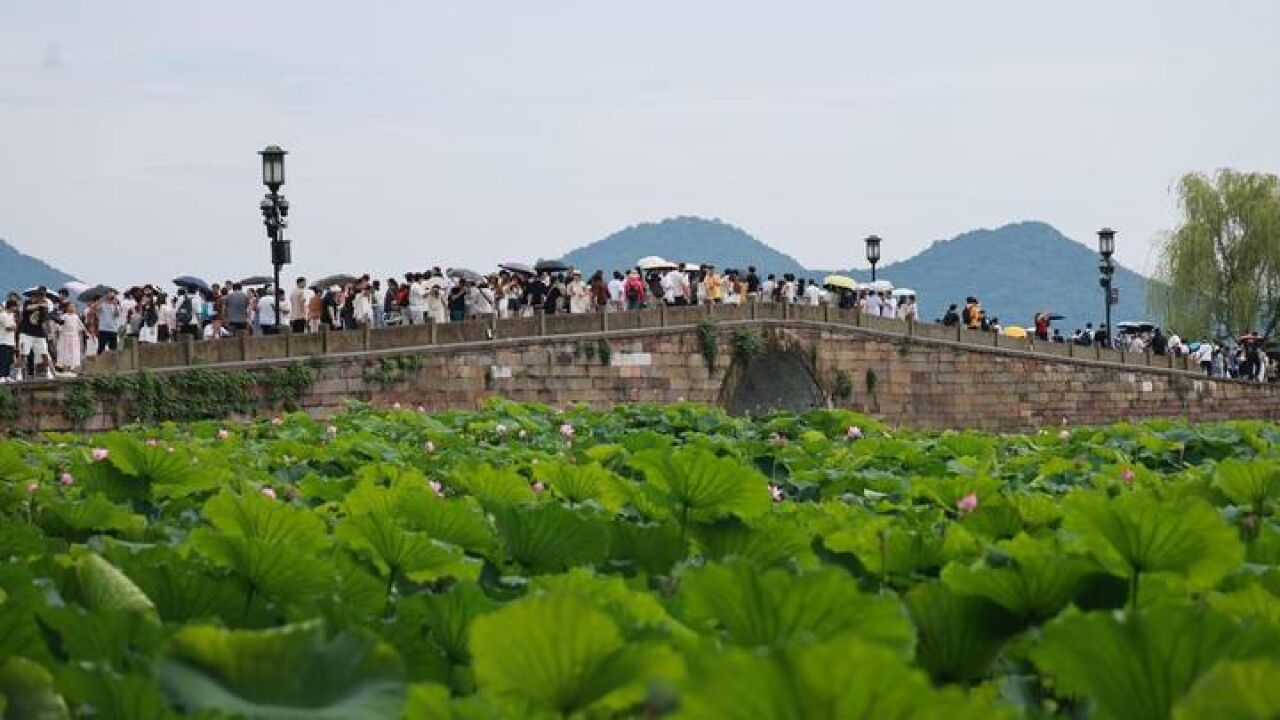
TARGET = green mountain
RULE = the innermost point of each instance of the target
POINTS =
(19, 272)
(1016, 270)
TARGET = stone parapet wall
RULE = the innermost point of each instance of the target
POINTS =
(921, 378)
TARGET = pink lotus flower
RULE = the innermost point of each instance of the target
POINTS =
(1127, 476)
(99, 454)
(776, 493)
(152, 442)
(331, 430)
(854, 432)
(421, 409)
(67, 478)
(968, 503)
(395, 406)
(429, 446)
(538, 487)
(436, 487)
(223, 434)
(501, 429)
(777, 440)
(1064, 435)
(32, 488)
(277, 421)
(268, 493)
(566, 430)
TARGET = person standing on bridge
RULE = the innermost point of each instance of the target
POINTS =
(299, 302)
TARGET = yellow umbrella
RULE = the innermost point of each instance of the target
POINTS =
(840, 281)
(1014, 331)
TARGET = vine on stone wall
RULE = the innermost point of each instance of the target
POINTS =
(604, 351)
(747, 344)
(197, 394)
(843, 389)
(9, 409)
(392, 370)
(708, 343)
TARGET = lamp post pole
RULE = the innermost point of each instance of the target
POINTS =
(873, 253)
(1106, 270)
(275, 211)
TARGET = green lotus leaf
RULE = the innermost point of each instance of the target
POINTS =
(93, 513)
(1235, 689)
(104, 588)
(427, 701)
(774, 608)
(1250, 602)
(844, 678)
(893, 547)
(182, 590)
(1137, 533)
(1137, 666)
(771, 539)
(959, 636)
(697, 485)
(460, 521)
(1035, 579)
(111, 695)
(258, 518)
(548, 537)
(28, 691)
(164, 474)
(649, 547)
(291, 672)
(13, 467)
(279, 571)
(579, 483)
(637, 613)
(556, 653)
(492, 486)
(1249, 483)
(102, 636)
(400, 553)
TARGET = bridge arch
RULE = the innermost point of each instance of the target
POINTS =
(774, 380)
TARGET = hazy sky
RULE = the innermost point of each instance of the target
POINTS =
(467, 133)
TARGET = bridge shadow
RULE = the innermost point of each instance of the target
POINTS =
(775, 380)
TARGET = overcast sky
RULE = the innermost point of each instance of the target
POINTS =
(467, 133)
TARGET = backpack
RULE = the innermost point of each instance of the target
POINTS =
(634, 293)
(184, 312)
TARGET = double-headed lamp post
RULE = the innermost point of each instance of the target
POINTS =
(1106, 269)
(275, 213)
(873, 253)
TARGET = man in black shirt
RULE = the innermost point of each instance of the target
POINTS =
(33, 340)
(753, 282)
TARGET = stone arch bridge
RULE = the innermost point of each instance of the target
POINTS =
(744, 358)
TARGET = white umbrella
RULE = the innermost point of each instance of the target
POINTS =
(903, 292)
(653, 262)
(691, 267)
(882, 286)
(75, 287)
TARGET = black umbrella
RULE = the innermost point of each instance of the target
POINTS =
(517, 268)
(1055, 316)
(31, 292)
(464, 274)
(96, 292)
(191, 282)
(340, 279)
(550, 266)
(257, 280)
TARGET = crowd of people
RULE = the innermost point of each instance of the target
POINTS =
(47, 334)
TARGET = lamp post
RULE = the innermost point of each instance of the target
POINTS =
(1106, 269)
(275, 213)
(873, 253)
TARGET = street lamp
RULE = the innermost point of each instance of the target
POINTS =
(275, 213)
(873, 253)
(1106, 270)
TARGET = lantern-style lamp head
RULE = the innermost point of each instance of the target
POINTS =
(1106, 242)
(873, 249)
(272, 166)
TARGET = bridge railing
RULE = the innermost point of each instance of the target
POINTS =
(187, 352)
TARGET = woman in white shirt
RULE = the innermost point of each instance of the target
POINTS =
(434, 305)
(362, 305)
(579, 295)
(70, 339)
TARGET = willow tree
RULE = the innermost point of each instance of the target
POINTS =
(1219, 271)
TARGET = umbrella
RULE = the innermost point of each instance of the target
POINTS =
(436, 281)
(191, 282)
(31, 291)
(339, 279)
(1130, 326)
(1054, 316)
(550, 266)
(653, 262)
(903, 292)
(691, 267)
(75, 287)
(520, 268)
(257, 280)
(1014, 331)
(882, 286)
(840, 281)
(464, 274)
(94, 293)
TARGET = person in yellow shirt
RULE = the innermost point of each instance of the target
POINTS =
(715, 285)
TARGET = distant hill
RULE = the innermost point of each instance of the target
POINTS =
(19, 272)
(1016, 270)
(683, 239)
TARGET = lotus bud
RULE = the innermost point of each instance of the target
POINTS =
(968, 503)
(566, 430)
(67, 478)
(32, 488)
(99, 454)
(429, 446)
(268, 493)
(854, 432)
(436, 487)
(538, 487)
(776, 493)
(1127, 476)
(223, 434)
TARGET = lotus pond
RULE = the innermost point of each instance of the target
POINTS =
(644, 562)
